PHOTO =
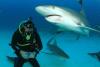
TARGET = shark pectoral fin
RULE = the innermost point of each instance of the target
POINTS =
(97, 26)
(93, 29)
(55, 18)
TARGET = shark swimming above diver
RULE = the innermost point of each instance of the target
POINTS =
(65, 18)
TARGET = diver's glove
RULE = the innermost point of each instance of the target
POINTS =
(28, 55)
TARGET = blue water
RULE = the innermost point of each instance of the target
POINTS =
(14, 11)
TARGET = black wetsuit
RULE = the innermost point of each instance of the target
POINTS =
(19, 38)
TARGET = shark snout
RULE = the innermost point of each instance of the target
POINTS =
(39, 8)
(42, 10)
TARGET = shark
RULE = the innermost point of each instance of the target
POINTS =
(65, 19)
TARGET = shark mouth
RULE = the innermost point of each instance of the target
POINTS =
(51, 15)
(54, 18)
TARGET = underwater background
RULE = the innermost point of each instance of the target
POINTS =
(12, 12)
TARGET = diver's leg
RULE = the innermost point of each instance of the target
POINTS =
(19, 62)
(34, 62)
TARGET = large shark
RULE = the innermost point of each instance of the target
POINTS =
(65, 18)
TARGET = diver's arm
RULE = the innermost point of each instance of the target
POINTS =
(38, 42)
(14, 42)
(26, 44)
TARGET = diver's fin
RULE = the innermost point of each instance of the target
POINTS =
(92, 54)
(12, 59)
(96, 55)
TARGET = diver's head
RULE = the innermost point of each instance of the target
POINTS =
(27, 27)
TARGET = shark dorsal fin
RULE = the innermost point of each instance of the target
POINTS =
(82, 12)
(80, 2)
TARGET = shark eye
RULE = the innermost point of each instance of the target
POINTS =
(52, 7)
(78, 23)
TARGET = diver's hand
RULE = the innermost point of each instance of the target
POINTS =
(24, 54)
(27, 55)
(21, 52)
(33, 55)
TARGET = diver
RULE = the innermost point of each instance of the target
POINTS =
(26, 43)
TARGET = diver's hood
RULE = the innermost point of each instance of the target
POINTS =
(26, 23)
